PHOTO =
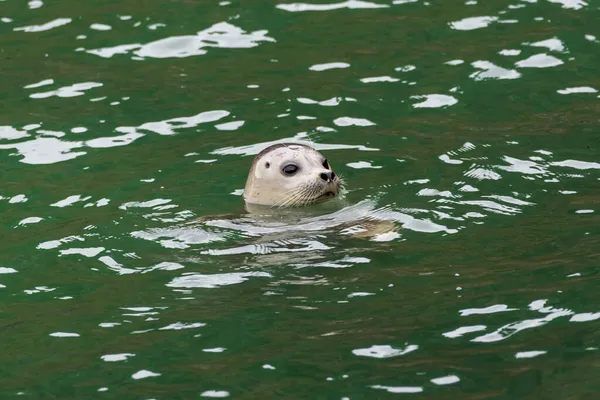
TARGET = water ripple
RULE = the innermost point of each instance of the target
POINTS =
(539, 61)
(399, 389)
(327, 66)
(384, 351)
(49, 150)
(211, 281)
(77, 89)
(45, 27)
(492, 71)
(220, 35)
(471, 23)
(435, 101)
(571, 4)
(350, 4)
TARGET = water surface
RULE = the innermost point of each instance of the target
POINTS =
(472, 127)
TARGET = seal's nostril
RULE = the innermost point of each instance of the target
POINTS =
(332, 175)
(324, 176)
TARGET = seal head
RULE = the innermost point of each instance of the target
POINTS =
(290, 175)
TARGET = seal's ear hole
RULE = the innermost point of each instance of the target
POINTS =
(267, 164)
(325, 164)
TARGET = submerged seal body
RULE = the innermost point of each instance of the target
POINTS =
(290, 175)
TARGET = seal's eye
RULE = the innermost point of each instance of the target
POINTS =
(290, 169)
(325, 164)
(267, 165)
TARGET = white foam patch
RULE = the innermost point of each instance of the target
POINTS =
(492, 71)
(487, 310)
(164, 266)
(143, 374)
(115, 266)
(214, 280)
(349, 121)
(33, 4)
(100, 27)
(585, 317)
(20, 198)
(230, 126)
(334, 101)
(553, 44)
(64, 334)
(399, 389)
(215, 394)
(215, 350)
(570, 4)
(434, 101)
(513, 328)
(113, 141)
(468, 24)
(10, 133)
(69, 201)
(77, 89)
(539, 61)
(360, 294)
(386, 237)
(363, 165)
(182, 325)
(529, 354)
(86, 252)
(43, 150)
(445, 380)
(51, 244)
(100, 203)
(350, 4)
(331, 65)
(45, 27)
(116, 357)
(581, 89)
(510, 52)
(179, 237)
(379, 79)
(435, 192)
(405, 68)
(464, 330)
(582, 165)
(384, 351)
(144, 204)
(220, 35)
(169, 127)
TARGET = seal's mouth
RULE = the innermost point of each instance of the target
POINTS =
(325, 196)
(331, 190)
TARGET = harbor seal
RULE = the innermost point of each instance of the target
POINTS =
(290, 175)
(282, 179)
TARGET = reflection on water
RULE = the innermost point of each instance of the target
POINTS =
(459, 262)
(222, 35)
(350, 4)
(447, 210)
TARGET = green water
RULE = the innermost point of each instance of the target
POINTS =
(472, 126)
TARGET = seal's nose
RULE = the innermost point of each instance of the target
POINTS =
(328, 176)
